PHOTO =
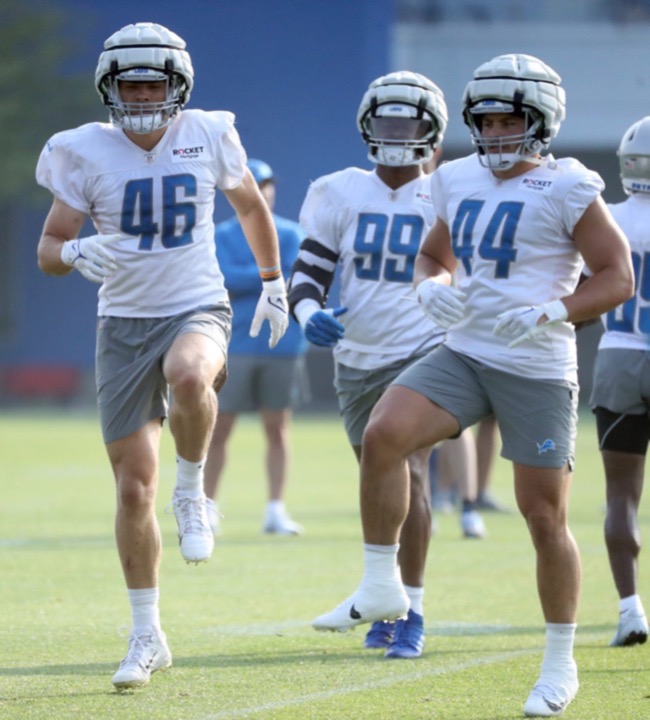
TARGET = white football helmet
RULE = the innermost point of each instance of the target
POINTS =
(519, 84)
(634, 157)
(144, 52)
(402, 118)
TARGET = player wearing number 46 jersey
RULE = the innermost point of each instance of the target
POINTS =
(499, 269)
(148, 180)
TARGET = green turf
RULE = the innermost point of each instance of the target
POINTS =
(239, 627)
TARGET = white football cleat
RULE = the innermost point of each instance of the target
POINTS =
(367, 605)
(550, 698)
(472, 525)
(194, 533)
(280, 523)
(214, 516)
(632, 629)
(148, 652)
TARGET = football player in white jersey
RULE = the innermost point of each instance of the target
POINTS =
(620, 394)
(499, 269)
(371, 224)
(147, 181)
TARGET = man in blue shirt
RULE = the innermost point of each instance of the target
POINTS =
(262, 380)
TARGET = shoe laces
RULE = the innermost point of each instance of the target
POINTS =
(403, 628)
(193, 517)
(138, 645)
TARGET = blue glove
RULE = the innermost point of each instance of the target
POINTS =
(323, 328)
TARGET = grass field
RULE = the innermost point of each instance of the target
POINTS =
(239, 627)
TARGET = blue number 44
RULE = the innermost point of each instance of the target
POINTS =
(498, 240)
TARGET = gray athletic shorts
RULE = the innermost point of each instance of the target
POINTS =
(537, 419)
(622, 381)
(263, 382)
(131, 388)
(358, 392)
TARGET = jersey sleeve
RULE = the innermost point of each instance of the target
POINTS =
(60, 171)
(230, 153)
(579, 197)
(318, 216)
(438, 194)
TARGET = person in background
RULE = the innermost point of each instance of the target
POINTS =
(370, 224)
(269, 382)
(453, 477)
(620, 396)
(499, 269)
(147, 180)
(487, 432)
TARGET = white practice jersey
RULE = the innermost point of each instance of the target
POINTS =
(513, 242)
(376, 232)
(628, 325)
(160, 201)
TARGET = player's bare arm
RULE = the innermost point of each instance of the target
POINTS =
(62, 223)
(436, 257)
(256, 221)
(606, 252)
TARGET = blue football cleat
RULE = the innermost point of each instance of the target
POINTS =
(408, 639)
(380, 635)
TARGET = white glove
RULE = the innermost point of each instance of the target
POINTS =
(443, 304)
(89, 256)
(521, 323)
(272, 306)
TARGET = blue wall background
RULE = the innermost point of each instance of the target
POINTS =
(292, 71)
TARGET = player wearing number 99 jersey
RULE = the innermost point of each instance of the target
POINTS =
(147, 180)
(370, 224)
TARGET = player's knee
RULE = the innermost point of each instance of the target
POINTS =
(189, 386)
(134, 495)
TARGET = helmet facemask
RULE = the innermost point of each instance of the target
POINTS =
(504, 151)
(396, 137)
(142, 118)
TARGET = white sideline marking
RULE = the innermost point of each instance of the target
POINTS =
(299, 627)
(373, 684)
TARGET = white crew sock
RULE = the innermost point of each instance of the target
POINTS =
(189, 476)
(275, 508)
(144, 608)
(558, 655)
(632, 603)
(416, 596)
(380, 564)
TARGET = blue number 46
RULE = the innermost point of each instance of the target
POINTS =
(178, 215)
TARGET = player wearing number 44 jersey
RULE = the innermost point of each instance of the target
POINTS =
(148, 180)
(499, 269)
